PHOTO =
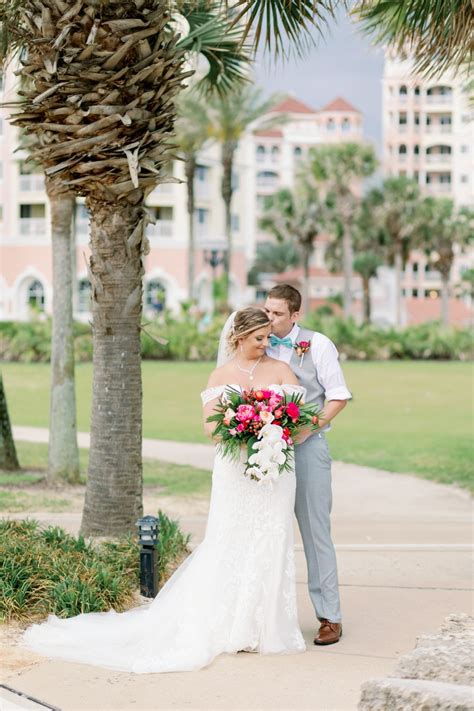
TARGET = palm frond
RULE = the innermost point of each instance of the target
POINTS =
(212, 34)
(273, 22)
(438, 34)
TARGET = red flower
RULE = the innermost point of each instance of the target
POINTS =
(293, 410)
(304, 344)
(267, 394)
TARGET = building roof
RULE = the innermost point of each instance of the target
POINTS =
(269, 133)
(340, 104)
(292, 106)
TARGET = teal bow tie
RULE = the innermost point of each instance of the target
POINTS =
(275, 341)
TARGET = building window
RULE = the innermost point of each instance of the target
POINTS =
(267, 179)
(297, 152)
(155, 296)
(202, 172)
(260, 154)
(416, 150)
(415, 267)
(415, 293)
(235, 180)
(445, 178)
(464, 178)
(25, 211)
(346, 125)
(235, 222)
(84, 296)
(417, 91)
(416, 176)
(35, 296)
(275, 152)
(417, 119)
(330, 125)
(403, 91)
(202, 216)
(402, 149)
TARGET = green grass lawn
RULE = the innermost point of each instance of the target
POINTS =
(405, 416)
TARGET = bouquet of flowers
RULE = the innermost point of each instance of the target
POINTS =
(266, 423)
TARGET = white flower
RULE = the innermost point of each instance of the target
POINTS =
(271, 432)
(266, 417)
(229, 414)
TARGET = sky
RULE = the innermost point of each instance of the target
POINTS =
(342, 64)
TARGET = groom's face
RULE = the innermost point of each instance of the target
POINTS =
(279, 314)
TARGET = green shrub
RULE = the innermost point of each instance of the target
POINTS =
(47, 571)
(366, 342)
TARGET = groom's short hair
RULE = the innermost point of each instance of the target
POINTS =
(287, 293)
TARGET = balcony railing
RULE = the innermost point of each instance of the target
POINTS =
(31, 183)
(439, 98)
(163, 189)
(438, 157)
(32, 226)
(438, 128)
(442, 188)
(201, 190)
(402, 127)
(161, 228)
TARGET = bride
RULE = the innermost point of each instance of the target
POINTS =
(236, 591)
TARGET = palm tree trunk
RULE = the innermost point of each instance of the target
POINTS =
(63, 456)
(305, 294)
(114, 486)
(8, 455)
(398, 264)
(227, 164)
(190, 171)
(348, 259)
(445, 299)
(366, 298)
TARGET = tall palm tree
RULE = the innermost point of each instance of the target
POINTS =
(369, 252)
(273, 258)
(104, 77)
(191, 135)
(439, 34)
(8, 455)
(443, 229)
(63, 452)
(337, 168)
(229, 116)
(298, 216)
(396, 207)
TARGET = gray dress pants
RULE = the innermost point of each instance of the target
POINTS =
(313, 508)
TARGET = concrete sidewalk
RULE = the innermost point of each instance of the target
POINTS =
(404, 547)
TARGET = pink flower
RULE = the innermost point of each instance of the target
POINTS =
(240, 428)
(293, 410)
(267, 394)
(279, 412)
(245, 413)
(304, 344)
(233, 431)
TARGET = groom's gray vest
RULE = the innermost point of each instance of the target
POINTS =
(306, 372)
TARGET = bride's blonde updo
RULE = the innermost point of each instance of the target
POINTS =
(246, 321)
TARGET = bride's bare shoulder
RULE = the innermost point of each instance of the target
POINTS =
(285, 374)
(219, 376)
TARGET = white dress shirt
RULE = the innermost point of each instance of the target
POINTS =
(326, 360)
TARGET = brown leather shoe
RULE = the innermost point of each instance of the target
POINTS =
(329, 633)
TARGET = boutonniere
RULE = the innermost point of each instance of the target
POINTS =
(301, 348)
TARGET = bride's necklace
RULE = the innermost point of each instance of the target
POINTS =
(249, 370)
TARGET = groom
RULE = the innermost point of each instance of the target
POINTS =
(318, 370)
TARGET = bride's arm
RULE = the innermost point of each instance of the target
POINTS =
(208, 407)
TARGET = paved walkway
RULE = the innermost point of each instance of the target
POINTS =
(404, 547)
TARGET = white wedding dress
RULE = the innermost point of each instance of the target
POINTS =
(236, 591)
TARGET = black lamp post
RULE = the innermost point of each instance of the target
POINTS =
(214, 258)
(148, 537)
